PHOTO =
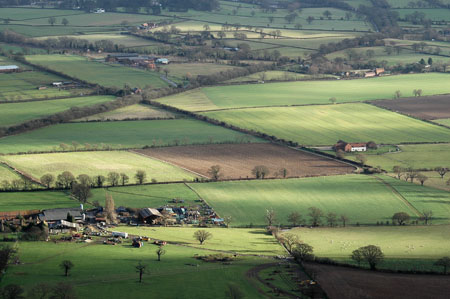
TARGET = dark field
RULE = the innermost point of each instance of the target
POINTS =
(425, 107)
(238, 160)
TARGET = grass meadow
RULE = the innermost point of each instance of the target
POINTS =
(136, 111)
(119, 135)
(16, 113)
(97, 163)
(7, 174)
(101, 270)
(109, 75)
(306, 93)
(20, 201)
(326, 124)
(445, 121)
(405, 247)
(362, 198)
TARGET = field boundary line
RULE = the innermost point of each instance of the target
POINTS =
(167, 162)
(399, 195)
(22, 173)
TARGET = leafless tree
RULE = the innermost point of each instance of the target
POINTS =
(202, 236)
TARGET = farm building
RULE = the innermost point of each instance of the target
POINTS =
(149, 215)
(162, 61)
(60, 214)
(133, 60)
(9, 68)
(351, 147)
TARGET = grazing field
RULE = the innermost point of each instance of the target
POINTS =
(21, 201)
(429, 108)
(6, 174)
(101, 270)
(24, 86)
(277, 76)
(243, 241)
(416, 156)
(238, 160)
(445, 122)
(363, 199)
(180, 70)
(405, 247)
(326, 124)
(97, 163)
(145, 196)
(16, 113)
(137, 111)
(340, 282)
(305, 93)
(121, 134)
(109, 75)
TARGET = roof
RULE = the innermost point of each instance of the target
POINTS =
(149, 212)
(357, 144)
(123, 55)
(9, 67)
(60, 214)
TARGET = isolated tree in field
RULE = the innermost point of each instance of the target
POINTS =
(65, 179)
(99, 180)
(81, 192)
(331, 219)
(52, 20)
(65, 22)
(398, 170)
(283, 172)
(417, 92)
(362, 159)
(348, 16)
(316, 215)
(270, 217)
(295, 218)
(401, 218)
(84, 179)
(327, 14)
(141, 269)
(333, 100)
(160, 252)
(302, 252)
(372, 255)
(215, 172)
(357, 256)
(6, 254)
(63, 291)
(66, 265)
(397, 94)
(260, 171)
(442, 171)
(110, 209)
(206, 27)
(310, 19)
(427, 216)
(344, 219)
(227, 220)
(124, 179)
(444, 263)
(113, 178)
(12, 291)
(202, 236)
(140, 176)
(234, 292)
(289, 240)
(47, 180)
(422, 178)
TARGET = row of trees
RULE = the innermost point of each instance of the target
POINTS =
(409, 173)
(316, 217)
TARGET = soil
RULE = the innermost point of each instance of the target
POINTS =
(238, 160)
(341, 282)
(428, 108)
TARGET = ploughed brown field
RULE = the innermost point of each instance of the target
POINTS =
(340, 282)
(238, 160)
(430, 107)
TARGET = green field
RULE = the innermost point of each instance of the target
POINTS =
(362, 198)
(109, 75)
(24, 86)
(16, 113)
(406, 248)
(102, 270)
(180, 70)
(445, 121)
(20, 201)
(120, 134)
(97, 163)
(277, 76)
(305, 93)
(326, 124)
(137, 111)
(417, 156)
(6, 174)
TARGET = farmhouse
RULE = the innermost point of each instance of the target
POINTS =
(9, 68)
(99, 10)
(355, 147)
(59, 214)
(162, 60)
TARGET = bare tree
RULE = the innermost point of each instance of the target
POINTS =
(331, 219)
(124, 179)
(159, 252)
(295, 218)
(260, 172)
(333, 100)
(12, 291)
(362, 159)
(234, 292)
(202, 236)
(401, 218)
(372, 255)
(427, 216)
(283, 172)
(65, 179)
(110, 209)
(302, 252)
(422, 178)
(63, 291)
(397, 94)
(52, 20)
(315, 214)
(227, 220)
(6, 254)
(141, 269)
(47, 180)
(65, 22)
(442, 171)
(113, 178)
(357, 256)
(398, 170)
(215, 172)
(66, 265)
(344, 220)
(140, 177)
(270, 217)
(81, 192)
(289, 240)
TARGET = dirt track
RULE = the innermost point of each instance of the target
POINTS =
(429, 107)
(238, 160)
(341, 282)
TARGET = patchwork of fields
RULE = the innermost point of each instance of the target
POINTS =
(137, 111)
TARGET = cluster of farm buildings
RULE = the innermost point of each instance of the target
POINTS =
(136, 60)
